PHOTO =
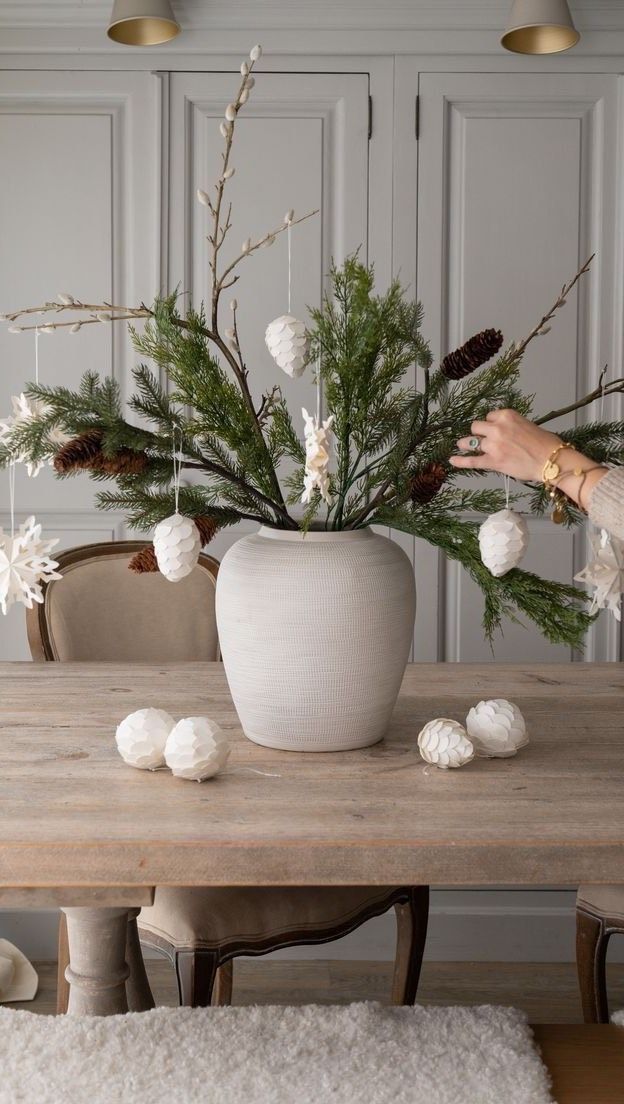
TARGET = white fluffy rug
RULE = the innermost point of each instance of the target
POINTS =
(618, 1018)
(355, 1054)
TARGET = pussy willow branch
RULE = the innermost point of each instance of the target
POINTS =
(560, 302)
(615, 387)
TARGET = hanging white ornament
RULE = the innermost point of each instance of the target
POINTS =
(25, 563)
(27, 410)
(196, 749)
(177, 545)
(286, 337)
(497, 728)
(444, 743)
(605, 573)
(503, 540)
(141, 738)
(318, 439)
(288, 344)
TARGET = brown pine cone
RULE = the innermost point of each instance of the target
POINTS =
(207, 528)
(470, 356)
(426, 483)
(84, 453)
(144, 560)
(80, 452)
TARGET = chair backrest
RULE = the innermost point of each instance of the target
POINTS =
(100, 610)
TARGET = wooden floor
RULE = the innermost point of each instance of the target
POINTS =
(547, 993)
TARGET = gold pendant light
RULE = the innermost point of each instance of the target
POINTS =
(540, 27)
(142, 22)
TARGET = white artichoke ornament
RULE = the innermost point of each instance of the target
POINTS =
(444, 743)
(177, 545)
(141, 738)
(196, 749)
(288, 344)
(496, 728)
(503, 540)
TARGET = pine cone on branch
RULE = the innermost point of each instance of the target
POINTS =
(207, 528)
(470, 356)
(84, 453)
(144, 561)
(426, 483)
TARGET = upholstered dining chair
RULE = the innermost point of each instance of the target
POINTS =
(599, 915)
(99, 610)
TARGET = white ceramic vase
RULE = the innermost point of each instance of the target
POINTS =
(315, 631)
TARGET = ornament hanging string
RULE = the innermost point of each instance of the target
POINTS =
(12, 496)
(289, 262)
(37, 355)
(507, 484)
(177, 467)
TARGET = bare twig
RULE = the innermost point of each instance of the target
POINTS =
(560, 302)
(613, 388)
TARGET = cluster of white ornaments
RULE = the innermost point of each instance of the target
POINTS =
(288, 344)
(177, 545)
(503, 540)
(26, 410)
(195, 748)
(495, 729)
(605, 573)
(444, 743)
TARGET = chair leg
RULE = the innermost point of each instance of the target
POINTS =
(62, 984)
(412, 920)
(138, 990)
(196, 972)
(223, 984)
(591, 951)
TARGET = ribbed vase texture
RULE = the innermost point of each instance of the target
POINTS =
(315, 631)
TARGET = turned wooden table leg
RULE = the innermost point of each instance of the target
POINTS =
(97, 968)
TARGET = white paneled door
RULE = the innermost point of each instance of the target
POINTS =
(302, 143)
(516, 188)
(78, 214)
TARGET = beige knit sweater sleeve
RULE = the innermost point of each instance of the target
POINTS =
(606, 505)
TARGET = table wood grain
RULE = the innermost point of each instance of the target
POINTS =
(73, 814)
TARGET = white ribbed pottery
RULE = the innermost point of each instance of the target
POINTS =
(315, 632)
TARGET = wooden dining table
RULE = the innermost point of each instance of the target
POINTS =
(81, 830)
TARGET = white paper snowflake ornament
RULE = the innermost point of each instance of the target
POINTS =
(605, 573)
(288, 344)
(24, 564)
(444, 743)
(141, 738)
(497, 728)
(27, 410)
(196, 749)
(318, 440)
(503, 540)
(177, 545)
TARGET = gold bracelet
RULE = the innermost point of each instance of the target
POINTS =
(581, 473)
(551, 469)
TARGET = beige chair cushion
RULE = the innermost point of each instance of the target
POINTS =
(100, 610)
(211, 918)
(605, 900)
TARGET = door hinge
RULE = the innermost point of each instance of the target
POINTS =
(370, 117)
(417, 118)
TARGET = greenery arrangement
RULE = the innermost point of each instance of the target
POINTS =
(392, 439)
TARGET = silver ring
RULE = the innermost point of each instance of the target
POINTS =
(474, 443)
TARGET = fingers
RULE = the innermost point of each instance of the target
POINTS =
(475, 461)
(480, 428)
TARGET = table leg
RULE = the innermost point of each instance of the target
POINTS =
(97, 968)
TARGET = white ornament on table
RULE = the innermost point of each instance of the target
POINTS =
(444, 743)
(177, 545)
(196, 749)
(141, 738)
(27, 410)
(24, 564)
(605, 573)
(503, 540)
(318, 439)
(288, 344)
(497, 728)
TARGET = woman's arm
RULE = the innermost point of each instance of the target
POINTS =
(514, 446)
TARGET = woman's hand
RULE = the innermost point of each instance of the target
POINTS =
(509, 444)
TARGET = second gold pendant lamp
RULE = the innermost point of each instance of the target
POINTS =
(540, 27)
(142, 22)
